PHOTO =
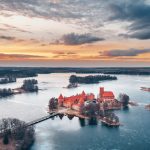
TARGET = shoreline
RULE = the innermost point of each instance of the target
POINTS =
(73, 113)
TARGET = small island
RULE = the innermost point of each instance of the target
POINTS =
(28, 86)
(145, 89)
(90, 79)
(9, 79)
(87, 106)
(6, 92)
(15, 134)
(147, 107)
(72, 85)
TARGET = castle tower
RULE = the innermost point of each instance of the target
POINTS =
(101, 92)
(60, 100)
(83, 93)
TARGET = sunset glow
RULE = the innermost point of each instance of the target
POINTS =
(74, 33)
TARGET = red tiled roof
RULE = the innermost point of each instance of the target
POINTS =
(108, 94)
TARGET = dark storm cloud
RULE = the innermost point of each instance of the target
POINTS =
(142, 34)
(77, 39)
(128, 52)
(137, 13)
(130, 10)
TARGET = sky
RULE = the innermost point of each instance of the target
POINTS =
(75, 33)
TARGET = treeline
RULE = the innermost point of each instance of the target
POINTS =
(30, 85)
(20, 72)
(15, 130)
(114, 70)
(90, 79)
(17, 72)
(7, 80)
(5, 92)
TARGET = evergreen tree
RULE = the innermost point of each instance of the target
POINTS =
(5, 139)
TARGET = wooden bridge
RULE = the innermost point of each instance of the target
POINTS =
(51, 115)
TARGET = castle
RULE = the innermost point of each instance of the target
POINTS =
(76, 101)
(106, 96)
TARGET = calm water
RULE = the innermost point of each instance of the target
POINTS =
(67, 134)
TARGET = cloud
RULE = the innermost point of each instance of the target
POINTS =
(9, 38)
(18, 40)
(11, 27)
(4, 56)
(89, 15)
(59, 54)
(128, 52)
(39, 8)
(136, 10)
(137, 13)
(78, 39)
(142, 35)
(68, 11)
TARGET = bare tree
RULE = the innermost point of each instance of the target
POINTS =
(18, 131)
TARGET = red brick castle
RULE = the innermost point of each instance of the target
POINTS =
(76, 101)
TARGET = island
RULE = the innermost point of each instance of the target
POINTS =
(6, 92)
(9, 79)
(15, 134)
(90, 79)
(87, 106)
(29, 85)
(147, 107)
(145, 89)
(72, 85)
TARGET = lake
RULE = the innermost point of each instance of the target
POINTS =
(68, 134)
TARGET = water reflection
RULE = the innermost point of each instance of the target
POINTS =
(82, 122)
(70, 117)
(93, 121)
(126, 108)
(61, 116)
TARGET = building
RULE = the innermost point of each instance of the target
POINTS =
(75, 101)
(106, 96)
